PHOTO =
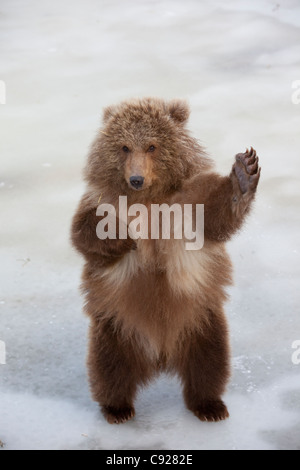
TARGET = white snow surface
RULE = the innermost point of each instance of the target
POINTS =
(62, 62)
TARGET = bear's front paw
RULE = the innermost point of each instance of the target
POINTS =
(211, 410)
(117, 248)
(246, 170)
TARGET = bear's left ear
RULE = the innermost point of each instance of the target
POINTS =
(179, 111)
(108, 112)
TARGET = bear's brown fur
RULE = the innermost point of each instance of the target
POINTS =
(153, 305)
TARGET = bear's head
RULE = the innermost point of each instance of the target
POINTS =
(144, 147)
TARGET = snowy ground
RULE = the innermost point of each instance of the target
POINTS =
(62, 62)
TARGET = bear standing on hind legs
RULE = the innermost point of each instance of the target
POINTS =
(153, 305)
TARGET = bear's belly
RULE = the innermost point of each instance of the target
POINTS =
(160, 290)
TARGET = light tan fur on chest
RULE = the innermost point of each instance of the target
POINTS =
(186, 270)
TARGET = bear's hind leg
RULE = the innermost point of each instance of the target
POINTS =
(203, 365)
(116, 367)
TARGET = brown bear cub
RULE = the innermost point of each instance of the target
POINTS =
(154, 305)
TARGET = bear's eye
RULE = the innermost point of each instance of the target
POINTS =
(151, 148)
(125, 149)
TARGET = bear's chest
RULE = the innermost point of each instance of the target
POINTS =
(185, 271)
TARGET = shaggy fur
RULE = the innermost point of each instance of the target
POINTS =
(152, 304)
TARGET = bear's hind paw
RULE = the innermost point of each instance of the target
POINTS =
(211, 410)
(117, 415)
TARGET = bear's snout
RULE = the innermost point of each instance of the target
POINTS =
(136, 181)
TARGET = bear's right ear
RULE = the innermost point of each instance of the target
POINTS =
(108, 112)
(179, 111)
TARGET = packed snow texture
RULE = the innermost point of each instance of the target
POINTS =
(236, 62)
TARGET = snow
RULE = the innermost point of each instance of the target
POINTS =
(61, 63)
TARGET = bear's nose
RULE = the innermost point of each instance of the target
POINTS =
(136, 181)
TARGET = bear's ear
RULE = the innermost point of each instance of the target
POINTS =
(108, 112)
(179, 111)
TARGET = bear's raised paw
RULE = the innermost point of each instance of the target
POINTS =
(247, 170)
